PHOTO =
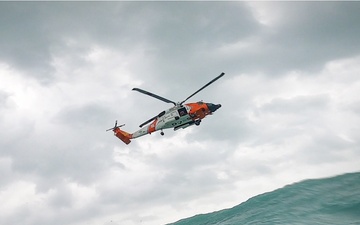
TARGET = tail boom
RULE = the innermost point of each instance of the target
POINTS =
(123, 135)
(126, 137)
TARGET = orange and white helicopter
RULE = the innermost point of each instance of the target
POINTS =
(179, 116)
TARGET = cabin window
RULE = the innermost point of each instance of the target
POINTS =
(182, 111)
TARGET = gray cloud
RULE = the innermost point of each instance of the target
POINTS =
(297, 105)
(289, 105)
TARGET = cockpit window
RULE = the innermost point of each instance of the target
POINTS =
(182, 111)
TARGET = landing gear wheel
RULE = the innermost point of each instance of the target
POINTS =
(162, 133)
(197, 122)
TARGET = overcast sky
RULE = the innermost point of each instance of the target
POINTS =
(290, 105)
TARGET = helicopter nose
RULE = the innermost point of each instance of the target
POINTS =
(213, 107)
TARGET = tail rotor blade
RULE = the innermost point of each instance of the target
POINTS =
(110, 129)
(116, 126)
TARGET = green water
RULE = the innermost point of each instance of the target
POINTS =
(333, 200)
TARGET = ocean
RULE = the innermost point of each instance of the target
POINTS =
(334, 200)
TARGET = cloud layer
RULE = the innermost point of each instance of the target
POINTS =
(290, 105)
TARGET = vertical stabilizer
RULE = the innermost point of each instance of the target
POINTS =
(122, 135)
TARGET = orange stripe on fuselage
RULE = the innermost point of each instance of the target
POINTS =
(152, 127)
(198, 110)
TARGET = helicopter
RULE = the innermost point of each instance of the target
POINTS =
(179, 116)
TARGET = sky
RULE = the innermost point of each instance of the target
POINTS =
(290, 105)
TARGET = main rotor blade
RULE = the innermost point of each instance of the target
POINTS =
(148, 121)
(212, 81)
(153, 95)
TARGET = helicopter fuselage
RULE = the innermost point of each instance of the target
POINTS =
(179, 116)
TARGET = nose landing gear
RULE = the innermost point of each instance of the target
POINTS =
(162, 133)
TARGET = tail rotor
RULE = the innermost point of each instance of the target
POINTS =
(116, 126)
